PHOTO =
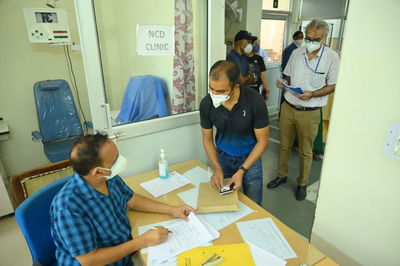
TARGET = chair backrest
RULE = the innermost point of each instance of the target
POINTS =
(145, 98)
(26, 183)
(33, 217)
(56, 111)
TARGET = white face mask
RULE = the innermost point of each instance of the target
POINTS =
(117, 168)
(248, 48)
(312, 47)
(298, 42)
(218, 99)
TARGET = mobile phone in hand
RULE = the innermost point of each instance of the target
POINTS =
(227, 189)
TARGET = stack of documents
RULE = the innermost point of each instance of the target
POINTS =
(158, 186)
(184, 236)
(265, 234)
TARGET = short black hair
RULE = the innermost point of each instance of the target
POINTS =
(297, 33)
(87, 153)
(227, 68)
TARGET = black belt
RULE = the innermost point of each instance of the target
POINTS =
(299, 108)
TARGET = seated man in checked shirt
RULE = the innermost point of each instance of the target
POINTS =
(89, 224)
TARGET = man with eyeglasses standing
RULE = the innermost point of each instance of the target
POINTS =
(314, 69)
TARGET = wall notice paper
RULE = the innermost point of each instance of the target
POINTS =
(184, 236)
(265, 234)
(219, 220)
(262, 257)
(155, 40)
(210, 200)
(158, 186)
(198, 175)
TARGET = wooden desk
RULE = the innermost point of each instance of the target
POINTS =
(306, 253)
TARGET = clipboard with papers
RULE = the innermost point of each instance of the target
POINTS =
(297, 90)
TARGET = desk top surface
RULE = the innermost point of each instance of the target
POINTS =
(306, 253)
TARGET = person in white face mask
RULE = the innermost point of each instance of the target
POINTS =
(240, 115)
(313, 68)
(242, 46)
(298, 37)
(89, 223)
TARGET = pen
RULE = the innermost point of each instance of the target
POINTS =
(155, 228)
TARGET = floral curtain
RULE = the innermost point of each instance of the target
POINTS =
(183, 95)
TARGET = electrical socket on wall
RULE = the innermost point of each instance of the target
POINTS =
(392, 144)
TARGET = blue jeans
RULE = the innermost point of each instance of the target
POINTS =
(253, 179)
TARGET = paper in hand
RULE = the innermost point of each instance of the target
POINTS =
(294, 89)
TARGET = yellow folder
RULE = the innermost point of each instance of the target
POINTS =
(209, 200)
(232, 254)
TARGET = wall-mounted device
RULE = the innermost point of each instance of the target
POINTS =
(47, 25)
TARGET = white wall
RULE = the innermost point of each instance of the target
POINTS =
(253, 18)
(357, 217)
(22, 64)
(180, 144)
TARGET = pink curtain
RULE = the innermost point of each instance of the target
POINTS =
(183, 96)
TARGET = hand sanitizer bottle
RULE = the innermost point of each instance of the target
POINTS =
(163, 165)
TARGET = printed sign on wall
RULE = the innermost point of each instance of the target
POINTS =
(155, 40)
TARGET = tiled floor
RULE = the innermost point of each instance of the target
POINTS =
(280, 201)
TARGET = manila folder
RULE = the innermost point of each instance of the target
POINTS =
(209, 200)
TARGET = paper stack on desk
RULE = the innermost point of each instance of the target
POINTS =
(183, 236)
(158, 186)
(265, 234)
(210, 200)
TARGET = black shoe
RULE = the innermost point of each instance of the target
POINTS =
(301, 192)
(276, 182)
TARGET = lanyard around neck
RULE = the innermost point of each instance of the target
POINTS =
(319, 60)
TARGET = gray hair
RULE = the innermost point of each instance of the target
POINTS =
(318, 24)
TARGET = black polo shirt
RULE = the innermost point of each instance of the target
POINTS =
(235, 129)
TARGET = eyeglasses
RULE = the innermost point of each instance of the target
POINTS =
(308, 40)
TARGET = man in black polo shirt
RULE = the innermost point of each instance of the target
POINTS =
(240, 116)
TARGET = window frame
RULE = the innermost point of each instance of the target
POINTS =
(100, 110)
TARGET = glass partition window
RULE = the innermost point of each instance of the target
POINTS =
(271, 39)
(153, 56)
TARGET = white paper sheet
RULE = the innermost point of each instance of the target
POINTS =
(158, 186)
(219, 220)
(265, 234)
(190, 196)
(262, 257)
(170, 262)
(183, 236)
(143, 229)
(198, 175)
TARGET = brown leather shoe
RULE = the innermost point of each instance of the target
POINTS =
(277, 182)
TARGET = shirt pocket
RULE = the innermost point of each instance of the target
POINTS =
(318, 80)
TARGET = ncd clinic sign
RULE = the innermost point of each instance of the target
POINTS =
(155, 40)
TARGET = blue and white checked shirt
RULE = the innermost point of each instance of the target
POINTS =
(83, 219)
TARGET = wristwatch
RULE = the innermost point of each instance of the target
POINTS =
(244, 169)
